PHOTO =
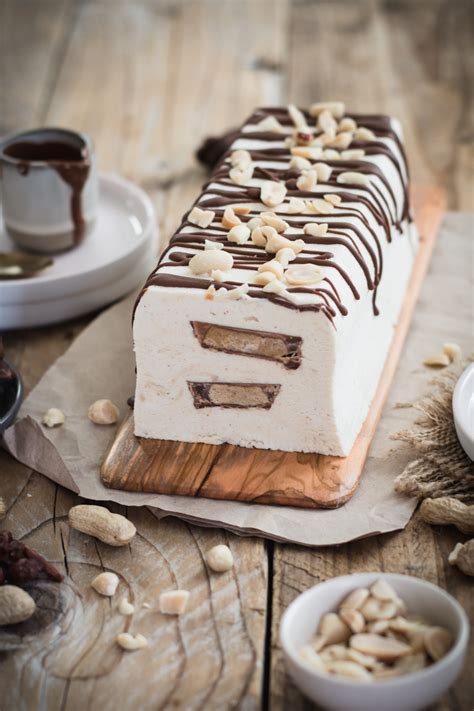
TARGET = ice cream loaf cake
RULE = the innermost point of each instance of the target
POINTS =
(269, 316)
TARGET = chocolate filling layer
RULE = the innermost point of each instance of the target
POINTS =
(240, 395)
(256, 344)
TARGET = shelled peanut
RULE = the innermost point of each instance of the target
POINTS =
(371, 638)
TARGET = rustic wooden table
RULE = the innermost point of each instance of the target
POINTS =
(149, 79)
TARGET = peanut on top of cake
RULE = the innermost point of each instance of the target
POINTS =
(296, 211)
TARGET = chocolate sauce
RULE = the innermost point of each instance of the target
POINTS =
(355, 238)
(71, 162)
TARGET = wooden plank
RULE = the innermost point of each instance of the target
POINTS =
(391, 57)
(148, 80)
(34, 37)
(253, 475)
(409, 59)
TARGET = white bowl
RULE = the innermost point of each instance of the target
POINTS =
(411, 691)
(463, 410)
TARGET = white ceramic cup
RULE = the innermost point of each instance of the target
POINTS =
(408, 692)
(49, 188)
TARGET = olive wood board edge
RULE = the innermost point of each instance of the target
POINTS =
(264, 476)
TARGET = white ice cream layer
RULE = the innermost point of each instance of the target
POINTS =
(322, 404)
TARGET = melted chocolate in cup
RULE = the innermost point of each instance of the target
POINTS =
(28, 161)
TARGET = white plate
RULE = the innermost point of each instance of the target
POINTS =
(463, 410)
(114, 259)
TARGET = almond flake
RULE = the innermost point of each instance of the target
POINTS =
(210, 292)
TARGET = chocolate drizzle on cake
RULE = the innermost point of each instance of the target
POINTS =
(349, 226)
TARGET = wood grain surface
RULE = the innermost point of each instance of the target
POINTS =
(264, 476)
(149, 79)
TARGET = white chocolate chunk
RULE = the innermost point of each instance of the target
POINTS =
(201, 218)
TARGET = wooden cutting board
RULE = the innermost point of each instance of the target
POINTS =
(264, 476)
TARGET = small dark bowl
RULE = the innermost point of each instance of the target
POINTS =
(11, 396)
